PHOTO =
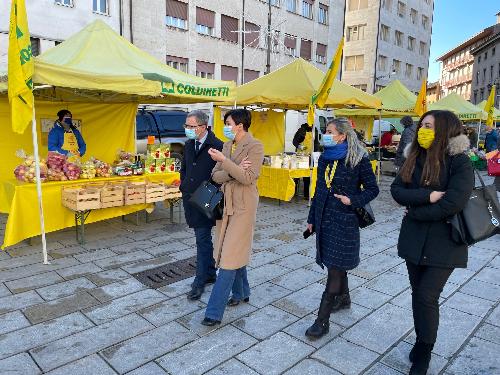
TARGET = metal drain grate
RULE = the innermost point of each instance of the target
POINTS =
(168, 273)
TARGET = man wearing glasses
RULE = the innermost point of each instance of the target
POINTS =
(197, 167)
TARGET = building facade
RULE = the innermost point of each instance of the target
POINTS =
(433, 92)
(387, 40)
(486, 69)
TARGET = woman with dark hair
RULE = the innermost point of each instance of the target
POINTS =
(342, 168)
(64, 137)
(434, 183)
(237, 169)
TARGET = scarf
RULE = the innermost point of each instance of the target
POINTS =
(337, 152)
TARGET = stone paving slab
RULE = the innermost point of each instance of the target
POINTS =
(265, 322)
(170, 310)
(4, 291)
(484, 357)
(108, 276)
(20, 364)
(19, 301)
(303, 301)
(149, 369)
(33, 282)
(233, 366)
(311, 367)
(65, 288)
(12, 322)
(267, 293)
(92, 364)
(469, 304)
(117, 289)
(78, 271)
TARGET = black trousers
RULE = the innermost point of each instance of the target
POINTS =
(427, 283)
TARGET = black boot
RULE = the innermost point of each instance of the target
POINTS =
(321, 325)
(411, 356)
(343, 301)
(421, 358)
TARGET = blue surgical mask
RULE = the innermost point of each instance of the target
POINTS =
(328, 140)
(68, 120)
(190, 133)
(228, 133)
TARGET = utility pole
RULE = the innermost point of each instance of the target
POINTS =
(243, 45)
(268, 64)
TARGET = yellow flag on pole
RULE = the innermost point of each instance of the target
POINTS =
(490, 106)
(421, 103)
(20, 68)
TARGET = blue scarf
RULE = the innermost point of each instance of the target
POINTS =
(337, 152)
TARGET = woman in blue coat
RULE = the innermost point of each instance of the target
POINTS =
(64, 137)
(342, 169)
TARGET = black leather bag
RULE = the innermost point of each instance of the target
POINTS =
(480, 219)
(209, 199)
(365, 215)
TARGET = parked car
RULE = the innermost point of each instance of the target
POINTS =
(166, 126)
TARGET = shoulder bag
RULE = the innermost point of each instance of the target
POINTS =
(209, 199)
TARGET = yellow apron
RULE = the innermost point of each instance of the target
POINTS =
(307, 144)
(71, 145)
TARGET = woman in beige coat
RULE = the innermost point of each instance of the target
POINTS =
(237, 169)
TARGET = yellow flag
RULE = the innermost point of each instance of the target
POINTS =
(20, 68)
(310, 114)
(490, 106)
(321, 95)
(421, 103)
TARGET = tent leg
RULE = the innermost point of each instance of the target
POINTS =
(379, 166)
(478, 134)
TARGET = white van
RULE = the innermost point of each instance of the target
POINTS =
(294, 119)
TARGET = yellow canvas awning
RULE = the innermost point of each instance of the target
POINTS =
(97, 64)
(496, 112)
(292, 86)
(397, 101)
(465, 110)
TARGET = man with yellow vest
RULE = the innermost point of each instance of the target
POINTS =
(302, 140)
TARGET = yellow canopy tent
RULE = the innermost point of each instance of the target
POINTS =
(292, 86)
(97, 64)
(465, 110)
(496, 112)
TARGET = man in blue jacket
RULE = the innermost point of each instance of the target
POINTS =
(197, 167)
(64, 137)
(490, 142)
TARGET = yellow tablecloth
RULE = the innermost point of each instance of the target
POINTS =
(278, 183)
(19, 200)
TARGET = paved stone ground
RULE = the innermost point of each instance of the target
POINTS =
(85, 314)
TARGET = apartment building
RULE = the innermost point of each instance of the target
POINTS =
(486, 68)
(387, 40)
(433, 92)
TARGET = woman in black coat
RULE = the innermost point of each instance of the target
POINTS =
(342, 169)
(434, 183)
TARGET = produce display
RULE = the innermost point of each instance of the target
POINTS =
(72, 171)
(26, 171)
(161, 151)
(102, 168)
(88, 170)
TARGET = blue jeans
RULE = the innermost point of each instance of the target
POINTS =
(205, 263)
(227, 280)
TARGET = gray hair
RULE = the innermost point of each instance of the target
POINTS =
(201, 117)
(355, 150)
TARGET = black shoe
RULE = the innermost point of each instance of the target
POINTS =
(318, 329)
(195, 293)
(421, 358)
(321, 325)
(210, 322)
(411, 356)
(342, 301)
(235, 302)
(211, 280)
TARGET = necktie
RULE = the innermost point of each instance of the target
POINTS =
(197, 146)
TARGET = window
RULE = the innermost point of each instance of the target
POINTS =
(485, 55)
(291, 6)
(305, 49)
(252, 33)
(323, 14)
(357, 4)
(409, 70)
(425, 22)
(385, 33)
(276, 3)
(176, 14)
(354, 63)
(491, 73)
(420, 73)
(413, 16)
(290, 45)
(307, 8)
(360, 87)
(479, 59)
(484, 75)
(356, 33)
(229, 73)
(423, 48)
(179, 63)
(379, 87)
(398, 38)
(321, 53)
(475, 97)
(229, 28)
(205, 21)
(493, 52)
(411, 43)
(205, 69)
(387, 5)
(401, 9)
(35, 46)
(100, 6)
(382, 63)
(396, 65)
(250, 75)
(68, 3)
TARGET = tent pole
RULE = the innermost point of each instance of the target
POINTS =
(379, 166)
(311, 163)
(39, 186)
(478, 134)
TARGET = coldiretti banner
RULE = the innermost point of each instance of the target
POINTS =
(187, 89)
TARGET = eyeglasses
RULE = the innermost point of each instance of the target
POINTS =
(186, 126)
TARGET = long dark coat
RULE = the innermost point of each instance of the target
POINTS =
(425, 236)
(195, 169)
(338, 247)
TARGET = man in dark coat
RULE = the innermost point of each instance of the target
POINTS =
(410, 128)
(197, 167)
(302, 141)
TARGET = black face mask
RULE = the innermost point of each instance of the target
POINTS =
(68, 121)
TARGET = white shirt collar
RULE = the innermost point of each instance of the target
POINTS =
(203, 139)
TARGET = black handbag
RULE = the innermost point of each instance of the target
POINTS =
(365, 215)
(209, 199)
(480, 218)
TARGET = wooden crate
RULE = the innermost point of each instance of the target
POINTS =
(155, 192)
(81, 198)
(172, 192)
(135, 193)
(113, 195)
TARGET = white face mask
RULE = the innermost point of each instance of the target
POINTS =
(228, 132)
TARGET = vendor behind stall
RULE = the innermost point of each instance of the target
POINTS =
(303, 142)
(65, 137)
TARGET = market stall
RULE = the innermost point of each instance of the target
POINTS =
(101, 78)
(288, 88)
(465, 110)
